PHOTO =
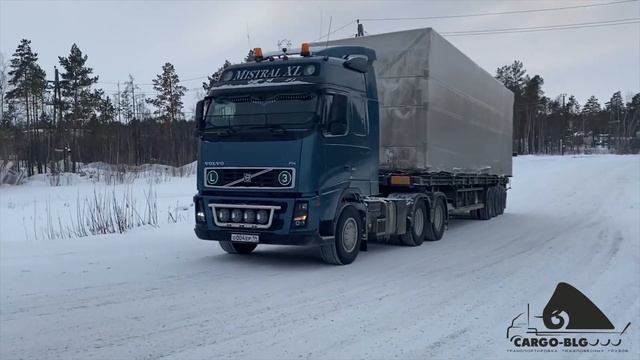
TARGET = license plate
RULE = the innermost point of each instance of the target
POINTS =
(248, 238)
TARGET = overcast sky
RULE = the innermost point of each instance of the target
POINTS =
(138, 37)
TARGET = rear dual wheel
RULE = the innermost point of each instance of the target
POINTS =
(420, 227)
(494, 203)
(437, 225)
(416, 225)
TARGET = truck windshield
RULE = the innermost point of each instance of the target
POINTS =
(285, 111)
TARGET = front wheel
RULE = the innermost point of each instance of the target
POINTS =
(237, 248)
(348, 234)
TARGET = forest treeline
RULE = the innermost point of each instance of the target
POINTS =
(50, 122)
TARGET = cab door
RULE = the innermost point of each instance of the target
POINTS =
(345, 144)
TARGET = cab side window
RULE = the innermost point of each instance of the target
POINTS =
(359, 123)
(337, 115)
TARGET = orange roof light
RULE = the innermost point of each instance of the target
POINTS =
(305, 50)
(257, 53)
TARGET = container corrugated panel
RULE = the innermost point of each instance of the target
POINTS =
(439, 111)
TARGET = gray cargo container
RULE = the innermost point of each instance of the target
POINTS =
(439, 111)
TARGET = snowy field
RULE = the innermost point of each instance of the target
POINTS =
(157, 291)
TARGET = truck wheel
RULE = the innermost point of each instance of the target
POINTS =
(501, 197)
(435, 229)
(348, 234)
(483, 213)
(504, 199)
(491, 201)
(417, 225)
(237, 248)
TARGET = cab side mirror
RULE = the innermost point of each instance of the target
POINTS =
(358, 63)
(200, 114)
(337, 128)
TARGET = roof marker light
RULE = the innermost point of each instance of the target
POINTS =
(305, 50)
(257, 53)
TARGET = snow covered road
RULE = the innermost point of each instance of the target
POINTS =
(161, 293)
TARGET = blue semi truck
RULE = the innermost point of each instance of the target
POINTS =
(334, 145)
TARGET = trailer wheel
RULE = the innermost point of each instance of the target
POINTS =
(504, 199)
(435, 230)
(417, 225)
(237, 248)
(348, 234)
(491, 201)
(483, 212)
(502, 194)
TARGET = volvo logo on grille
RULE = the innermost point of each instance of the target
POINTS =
(246, 178)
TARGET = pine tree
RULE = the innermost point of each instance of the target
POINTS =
(78, 98)
(215, 77)
(128, 108)
(534, 99)
(512, 76)
(28, 81)
(29, 86)
(76, 87)
(3, 84)
(591, 107)
(168, 101)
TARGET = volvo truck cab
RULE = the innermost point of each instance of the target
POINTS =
(284, 140)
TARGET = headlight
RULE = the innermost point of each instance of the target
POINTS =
(309, 70)
(236, 215)
(226, 76)
(262, 216)
(223, 215)
(249, 216)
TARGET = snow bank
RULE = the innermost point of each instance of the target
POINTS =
(160, 292)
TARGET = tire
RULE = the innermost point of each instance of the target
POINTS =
(491, 202)
(237, 248)
(437, 225)
(504, 199)
(502, 194)
(417, 225)
(483, 212)
(348, 235)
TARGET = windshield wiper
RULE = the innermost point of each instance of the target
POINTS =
(222, 132)
(277, 129)
(274, 128)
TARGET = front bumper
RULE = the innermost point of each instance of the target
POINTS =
(281, 232)
(309, 238)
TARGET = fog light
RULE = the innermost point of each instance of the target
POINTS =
(262, 216)
(300, 214)
(236, 215)
(249, 216)
(223, 215)
(200, 217)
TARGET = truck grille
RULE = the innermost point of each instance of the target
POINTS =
(249, 178)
